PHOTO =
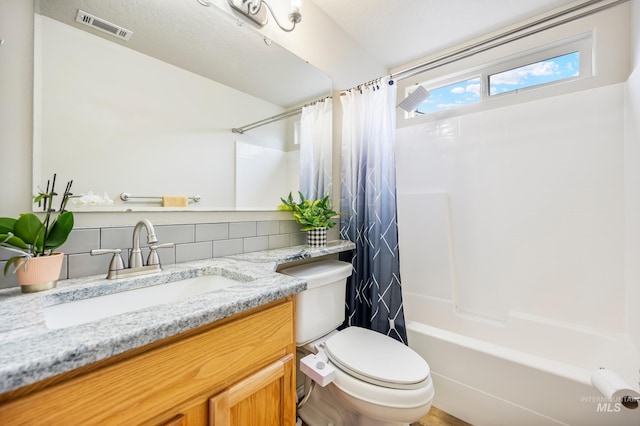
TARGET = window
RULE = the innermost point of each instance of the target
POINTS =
(547, 71)
(477, 88)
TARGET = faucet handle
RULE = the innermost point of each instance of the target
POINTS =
(116, 263)
(153, 258)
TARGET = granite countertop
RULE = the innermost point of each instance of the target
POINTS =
(30, 351)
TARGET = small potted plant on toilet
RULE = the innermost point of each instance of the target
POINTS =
(34, 240)
(315, 216)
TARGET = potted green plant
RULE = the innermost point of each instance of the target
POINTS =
(37, 264)
(315, 216)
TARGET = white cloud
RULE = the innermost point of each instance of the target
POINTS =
(519, 75)
(542, 68)
(473, 89)
(469, 88)
(572, 71)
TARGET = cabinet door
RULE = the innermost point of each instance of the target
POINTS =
(266, 398)
(194, 413)
(179, 420)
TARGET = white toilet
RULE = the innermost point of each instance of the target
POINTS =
(378, 381)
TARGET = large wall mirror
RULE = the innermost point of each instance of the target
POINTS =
(152, 115)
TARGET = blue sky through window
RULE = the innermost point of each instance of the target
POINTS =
(468, 91)
(547, 71)
(451, 96)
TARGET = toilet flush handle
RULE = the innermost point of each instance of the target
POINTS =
(321, 353)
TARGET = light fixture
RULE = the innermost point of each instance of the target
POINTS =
(255, 11)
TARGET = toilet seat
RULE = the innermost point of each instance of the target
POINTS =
(358, 392)
(377, 359)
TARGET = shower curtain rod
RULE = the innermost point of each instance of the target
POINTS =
(276, 117)
(506, 37)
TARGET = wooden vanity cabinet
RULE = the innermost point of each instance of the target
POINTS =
(260, 399)
(237, 371)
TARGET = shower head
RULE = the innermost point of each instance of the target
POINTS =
(415, 98)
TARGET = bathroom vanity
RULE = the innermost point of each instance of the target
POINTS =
(197, 377)
(224, 357)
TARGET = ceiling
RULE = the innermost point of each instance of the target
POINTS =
(202, 40)
(390, 33)
(396, 32)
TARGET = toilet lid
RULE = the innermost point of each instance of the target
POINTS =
(377, 359)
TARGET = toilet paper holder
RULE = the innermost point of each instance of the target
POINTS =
(612, 387)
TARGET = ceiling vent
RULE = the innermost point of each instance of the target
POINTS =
(102, 25)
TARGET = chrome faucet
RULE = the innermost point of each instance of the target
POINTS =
(136, 264)
(135, 258)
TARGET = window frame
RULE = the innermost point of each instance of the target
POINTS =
(582, 43)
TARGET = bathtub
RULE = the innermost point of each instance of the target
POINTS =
(522, 371)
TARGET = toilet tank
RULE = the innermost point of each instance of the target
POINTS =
(321, 307)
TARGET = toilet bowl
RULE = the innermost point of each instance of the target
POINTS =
(377, 381)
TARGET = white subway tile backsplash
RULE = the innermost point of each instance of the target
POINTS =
(83, 265)
(167, 255)
(227, 247)
(279, 241)
(112, 238)
(8, 280)
(212, 231)
(333, 233)
(297, 238)
(81, 241)
(174, 234)
(6, 254)
(268, 227)
(289, 226)
(192, 242)
(193, 251)
(242, 229)
(256, 244)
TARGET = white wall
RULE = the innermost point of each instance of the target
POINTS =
(632, 183)
(534, 195)
(16, 70)
(262, 176)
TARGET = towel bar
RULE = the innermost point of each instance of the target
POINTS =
(128, 197)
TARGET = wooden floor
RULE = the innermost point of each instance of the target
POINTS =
(438, 417)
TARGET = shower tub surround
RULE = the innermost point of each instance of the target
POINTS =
(515, 234)
(31, 352)
(525, 371)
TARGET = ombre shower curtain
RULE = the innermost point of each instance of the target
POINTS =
(368, 207)
(315, 149)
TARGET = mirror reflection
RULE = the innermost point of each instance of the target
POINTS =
(152, 116)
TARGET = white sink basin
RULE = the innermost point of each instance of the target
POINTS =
(86, 310)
